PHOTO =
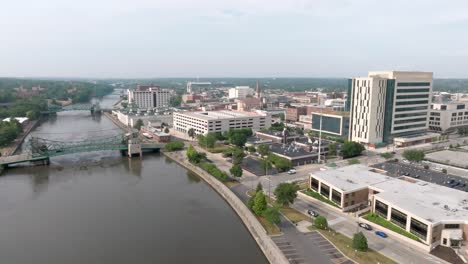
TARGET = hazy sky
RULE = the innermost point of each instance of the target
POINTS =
(232, 38)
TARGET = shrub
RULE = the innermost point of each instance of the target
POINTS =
(214, 171)
(260, 203)
(321, 222)
(426, 167)
(174, 145)
(360, 242)
(286, 193)
(272, 215)
(413, 154)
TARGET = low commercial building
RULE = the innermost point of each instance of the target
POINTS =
(248, 104)
(277, 136)
(129, 118)
(219, 121)
(295, 154)
(436, 214)
(447, 117)
(293, 113)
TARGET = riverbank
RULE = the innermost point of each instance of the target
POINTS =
(14, 146)
(266, 244)
(117, 122)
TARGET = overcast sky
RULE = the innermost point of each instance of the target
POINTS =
(231, 38)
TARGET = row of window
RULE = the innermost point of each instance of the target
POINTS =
(411, 84)
(412, 102)
(411, 115)
(412, 96)
(410, 120)
(417, 90)
(404, 109)
(409, 126)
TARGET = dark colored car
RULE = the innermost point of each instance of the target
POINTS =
(416, 176)
(381, 234)
(406, 173)
(312, 213)
(365, 226)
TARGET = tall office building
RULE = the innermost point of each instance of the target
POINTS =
(388, 104)
(149, 96)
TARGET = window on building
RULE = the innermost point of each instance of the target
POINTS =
(451, 226)
(398, 218)
(381, 209)
(418, 228)
(325, 190)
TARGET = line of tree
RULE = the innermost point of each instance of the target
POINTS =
(259, 206)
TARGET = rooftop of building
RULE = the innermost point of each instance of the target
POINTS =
(332, 113)
(277, 133)
(289, 150)
(351, 178)
(431, 202)
(221, 114)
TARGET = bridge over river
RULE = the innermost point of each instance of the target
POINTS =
(39, 150)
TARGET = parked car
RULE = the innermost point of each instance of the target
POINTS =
(365, 226)
(381, 234)
(312, 213)
(416, 176)
(406, 173)
(292, 171)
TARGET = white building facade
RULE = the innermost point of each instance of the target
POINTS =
(447, 117)
(240, 92)
(149, 97)
(219, 121)
(389, 104)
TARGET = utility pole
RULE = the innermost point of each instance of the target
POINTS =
(320, 136)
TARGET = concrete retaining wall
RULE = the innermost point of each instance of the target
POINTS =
(266, 244)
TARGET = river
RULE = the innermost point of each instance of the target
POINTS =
(102, 208)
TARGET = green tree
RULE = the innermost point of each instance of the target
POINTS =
(238, 139)
(351, 149)
(166, 130)
(280, 163)
(332, 149)
(236, 170)
(413, 154)
(360, 242)
(321, 222)
(175, 101)
(259, 187)
(191, 133)
(138, 124)
(251, 202)
(210, 140)
(251, 149)
(286, 193)
(195, 156)
(272, 215)
(237, 156)
(263, 149)
(260, 203)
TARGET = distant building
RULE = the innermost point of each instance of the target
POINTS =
(293, 113)
(277, 136)
(447, 117)
(247, 104)
(388, 104)
(149, 96)
(219, 121)
(129, 119)
(336, 104)
(240, 92)
(191, 98)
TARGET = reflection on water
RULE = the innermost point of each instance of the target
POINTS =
(100, 207)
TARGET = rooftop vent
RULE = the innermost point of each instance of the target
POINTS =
(446, 207)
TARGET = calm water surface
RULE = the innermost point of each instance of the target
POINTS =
(103, 208)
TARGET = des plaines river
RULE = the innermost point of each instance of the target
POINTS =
(102, 208)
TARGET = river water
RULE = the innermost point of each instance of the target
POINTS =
(102, 208)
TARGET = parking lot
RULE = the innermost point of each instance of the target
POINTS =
(397, 169)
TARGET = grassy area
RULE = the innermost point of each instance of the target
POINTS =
(218, 148)
(293, 215)
(386, 155)
(319, 197)
(303, 185)
(353, 161)
(374, 218)
(230, 184)
(344, 244)
(270, 228)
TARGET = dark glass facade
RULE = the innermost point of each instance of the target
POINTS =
(388, 116)
(330, 124)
